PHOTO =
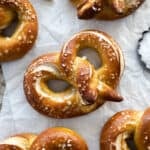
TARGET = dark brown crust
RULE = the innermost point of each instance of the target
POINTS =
(106, 10)
(25, 35)
(121, 122)
(59, 138)
(77, 72)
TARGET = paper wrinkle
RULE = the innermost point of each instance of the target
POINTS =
(57, 23)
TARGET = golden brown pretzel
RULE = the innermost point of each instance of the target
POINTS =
(89, 89)
(6, 17)
(58, 138)
(26, 32)
(107, 75)
(106, 9)
(122, 126)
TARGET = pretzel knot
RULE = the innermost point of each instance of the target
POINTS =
(57, 138)
(125, 125)
(106, 9)
(89, 89)
(21, 41)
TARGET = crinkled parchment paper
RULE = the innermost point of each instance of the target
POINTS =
(57, 22)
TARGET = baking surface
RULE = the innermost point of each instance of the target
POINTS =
(56, 25)
(2, 86)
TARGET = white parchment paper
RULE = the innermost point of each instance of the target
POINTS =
(58, 22)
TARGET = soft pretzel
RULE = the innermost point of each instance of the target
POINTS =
(122, 126)
(25, 33)
(58, 138)
(106, 9)
(89, 89)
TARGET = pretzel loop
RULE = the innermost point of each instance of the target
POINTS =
(25, 34)
(57, 138)
(88, 79)
(122, 126)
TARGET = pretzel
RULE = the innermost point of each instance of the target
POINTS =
(106, 9)
(89, 89)
(24, 36)
(58, 138)
(124, 125)
(18, 142)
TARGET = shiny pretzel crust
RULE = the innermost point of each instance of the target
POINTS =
(57, 138)
(25, 34)
(59, 105)
(106, 9)
(124, 124)
(112, 64)
(89, 89)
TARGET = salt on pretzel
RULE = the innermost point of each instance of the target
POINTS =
(57, 138)
(106, 9)
(25, 33)
(122, 126)
(93, 83)
(89, 89)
